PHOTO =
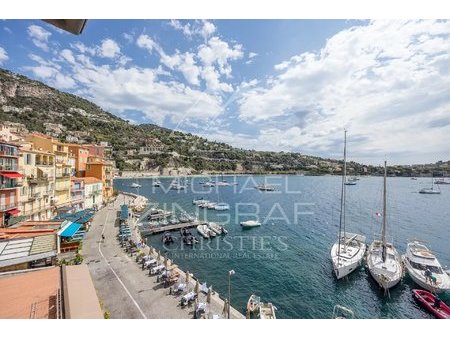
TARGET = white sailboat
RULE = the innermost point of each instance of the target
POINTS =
(348, 251)
(432, 190)
(383, 260)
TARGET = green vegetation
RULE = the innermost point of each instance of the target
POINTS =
(38, 105)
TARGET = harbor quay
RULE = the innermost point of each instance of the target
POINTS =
(127, 291)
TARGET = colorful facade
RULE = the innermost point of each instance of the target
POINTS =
(10, 181)
(81, 154)
(37, 191)
(77, 193)
(93, 197)
(103, 170)
(63, 172)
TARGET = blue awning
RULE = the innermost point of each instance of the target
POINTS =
(124, 212)
(71, 230)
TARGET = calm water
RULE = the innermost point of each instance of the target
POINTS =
(286, 261)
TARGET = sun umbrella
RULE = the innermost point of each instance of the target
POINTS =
(208, 296)
(197, 287)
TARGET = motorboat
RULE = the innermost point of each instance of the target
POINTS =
(424, 268)
(441, 181)
(167, 237)
(383, 260)
(342, 312)
(265, 187)
(211, 205)
(135, 185)
(253, 304)
(218, 229)
(189, 240)
(211, 232)
(348, 251)
(183, 218)
(349, 182)
(199, 201)
(203, 230)
(164, 222)
(250, 224)
(436, 306)
(258, 309)
(222, 206)
(156, 183)
(174, 221)
(267, 311)
(414, 178)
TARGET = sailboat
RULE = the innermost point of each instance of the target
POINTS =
(430, 190)
(348, 251)
(383, 260)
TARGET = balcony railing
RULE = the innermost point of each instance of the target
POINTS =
(63, 175)
(8, 167)
(38, 180)
(61, 188)
(9, 153)
(34, 196)
(44, 163)
(10, 185)
(4, 207)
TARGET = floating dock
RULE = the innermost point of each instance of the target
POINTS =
(156, 230)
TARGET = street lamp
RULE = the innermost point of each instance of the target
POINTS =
(230, 273)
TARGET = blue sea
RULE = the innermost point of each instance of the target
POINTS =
(286, 261)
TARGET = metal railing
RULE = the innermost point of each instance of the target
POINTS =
(4, 207)
(10, 185)
(8, 167)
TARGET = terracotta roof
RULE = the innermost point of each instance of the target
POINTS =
(24, 233)
(30, 294)
(91, 180)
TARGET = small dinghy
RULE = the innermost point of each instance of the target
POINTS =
(438, 308)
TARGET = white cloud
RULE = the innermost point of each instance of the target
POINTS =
(8, 30)
(211, 77)
(385, 82)
(68, 55)
(203, 28)
(251, 55)
(146, 42)
(3, 56)
(109, 49)
(217, 51)
(128, 37)
(39, 36)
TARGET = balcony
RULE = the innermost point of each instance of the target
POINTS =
(9, 153)
(8, 167)
(4, 207)
(62, 175)
(39, 180)
(44, 163)
(34, 196)
(61, 188)
(12, 185)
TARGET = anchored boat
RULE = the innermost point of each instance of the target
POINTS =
(433, 304)
(383, 260)
(424, 268)
(348, 251)
(250, 224)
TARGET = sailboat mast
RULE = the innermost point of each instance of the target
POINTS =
(342, 213)
(383, 230)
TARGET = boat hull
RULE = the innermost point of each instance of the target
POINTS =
(389, 273)
(420, 280)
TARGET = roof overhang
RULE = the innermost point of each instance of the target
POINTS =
(74, 26)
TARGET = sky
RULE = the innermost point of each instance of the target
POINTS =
(281, 85)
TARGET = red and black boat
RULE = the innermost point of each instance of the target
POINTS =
(428, 301)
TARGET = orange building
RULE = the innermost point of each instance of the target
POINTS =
(103, 170)
(81, 154)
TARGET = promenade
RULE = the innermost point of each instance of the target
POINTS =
(124, 289)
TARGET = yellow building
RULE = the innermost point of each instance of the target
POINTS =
(64, 169)
(103, 170)
(37, 192)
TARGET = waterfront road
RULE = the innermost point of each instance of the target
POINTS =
(124, 290)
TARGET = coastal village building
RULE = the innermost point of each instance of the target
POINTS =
(10, 181)
(77, 193)
(37, 191)
(103, 170)
(81, 154)
(63, 172)
(93, 197)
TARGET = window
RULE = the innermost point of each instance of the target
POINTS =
(28, 159)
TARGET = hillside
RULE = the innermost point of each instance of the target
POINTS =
(72, 118)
